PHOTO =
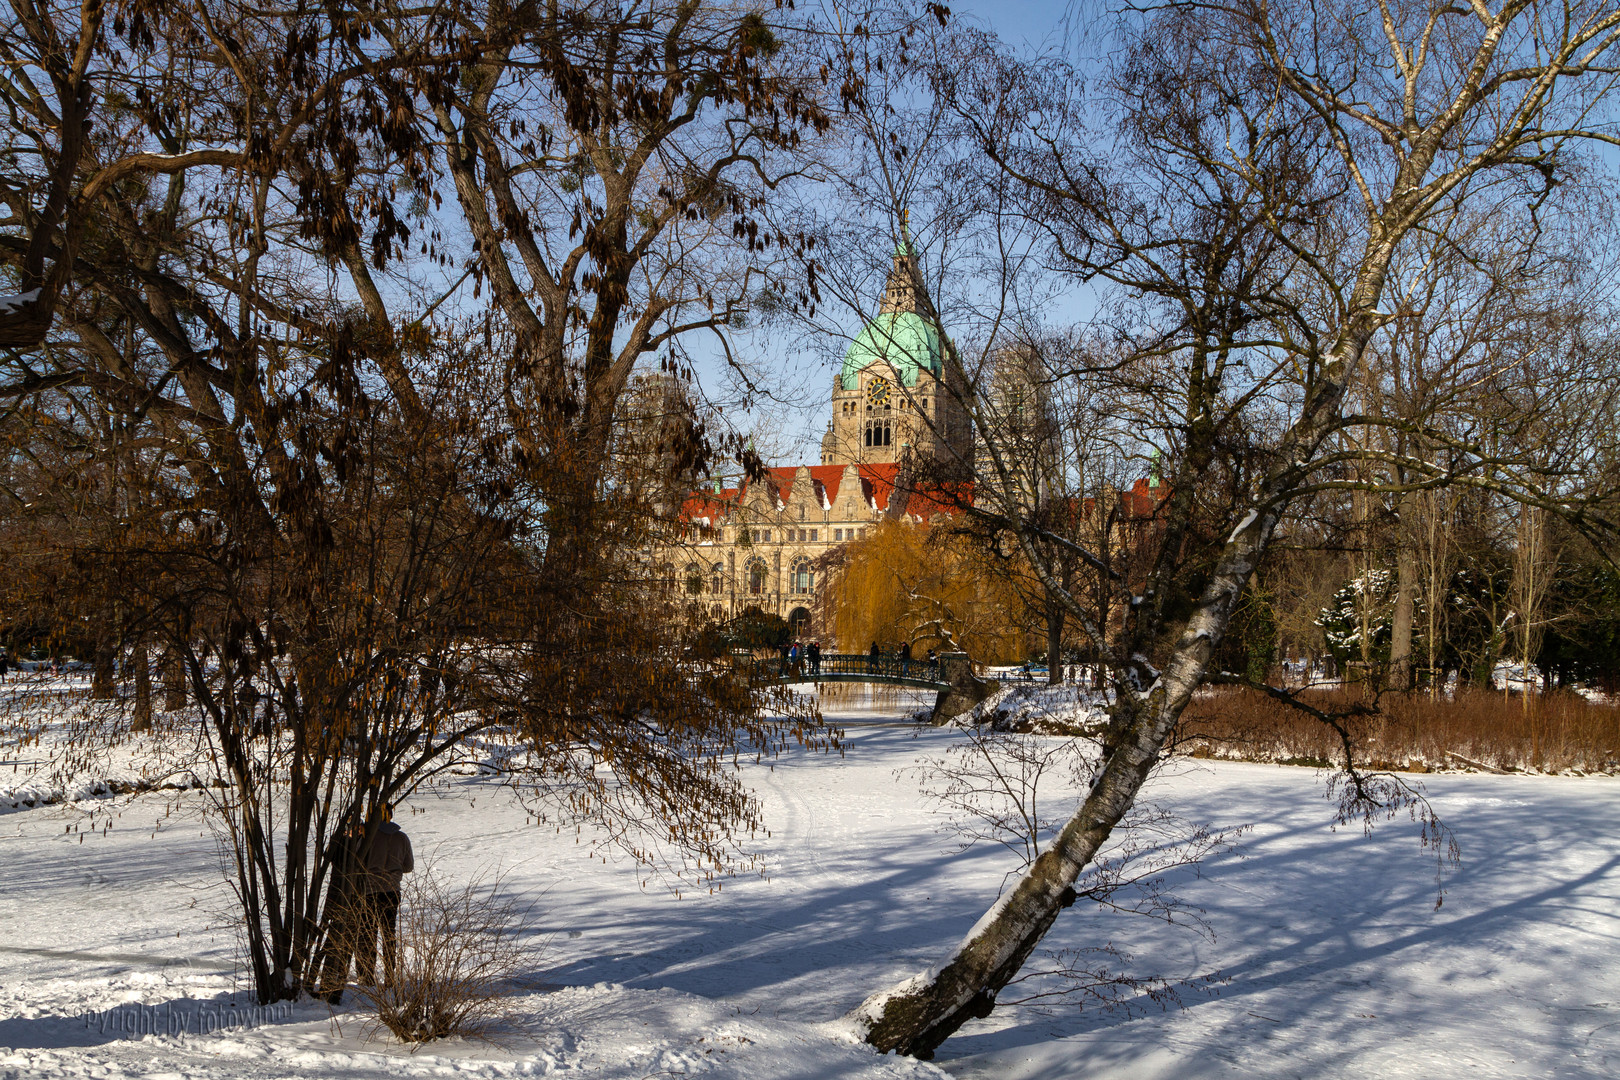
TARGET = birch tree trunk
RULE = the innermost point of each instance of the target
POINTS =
(916, 1016)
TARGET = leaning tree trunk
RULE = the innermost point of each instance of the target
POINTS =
(919, 1014)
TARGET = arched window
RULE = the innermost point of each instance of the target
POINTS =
(756, 577)
(801, 579)
(718, 580)
(694, 580)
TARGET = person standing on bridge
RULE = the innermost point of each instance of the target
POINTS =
(813, 652)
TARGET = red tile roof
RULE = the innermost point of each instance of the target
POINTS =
(877, 487)
(1143, 501)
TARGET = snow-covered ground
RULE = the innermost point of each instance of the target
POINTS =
(116, 953)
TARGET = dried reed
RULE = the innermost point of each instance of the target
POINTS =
(1551, 733)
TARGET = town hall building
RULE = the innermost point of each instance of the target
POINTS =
(893, 409)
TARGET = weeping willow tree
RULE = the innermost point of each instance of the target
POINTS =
(920, 586)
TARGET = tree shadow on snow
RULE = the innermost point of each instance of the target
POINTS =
(1305, 917)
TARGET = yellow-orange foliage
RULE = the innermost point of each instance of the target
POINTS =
(914, 584)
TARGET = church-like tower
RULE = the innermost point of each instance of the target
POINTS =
(891, 397)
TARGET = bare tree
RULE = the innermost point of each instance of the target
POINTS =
(382, 535)
(1261, 202)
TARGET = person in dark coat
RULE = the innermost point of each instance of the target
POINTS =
(872, 661)
(365, 904)
(813, 651)
(388, 860)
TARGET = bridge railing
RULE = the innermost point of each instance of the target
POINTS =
(776, 669)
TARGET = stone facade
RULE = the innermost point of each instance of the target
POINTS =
(756, 546)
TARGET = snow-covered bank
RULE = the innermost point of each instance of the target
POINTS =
(603, 1031)
(1333, 958)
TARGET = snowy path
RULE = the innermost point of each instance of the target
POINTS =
(1335, 961)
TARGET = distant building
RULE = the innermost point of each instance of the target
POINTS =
(656, 436)
(755, 545)
(1016, 401)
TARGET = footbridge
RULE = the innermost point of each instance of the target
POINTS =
(860, 668)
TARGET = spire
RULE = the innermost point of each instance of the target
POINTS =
(900, 293)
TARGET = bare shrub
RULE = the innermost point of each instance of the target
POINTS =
(988, 788)
(1081, 978)
(464, 953)
(1557, 732)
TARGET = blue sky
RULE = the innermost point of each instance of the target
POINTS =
(1032, 22)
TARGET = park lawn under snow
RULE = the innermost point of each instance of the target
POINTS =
(116, 951)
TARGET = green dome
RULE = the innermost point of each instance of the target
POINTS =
(903, 338)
